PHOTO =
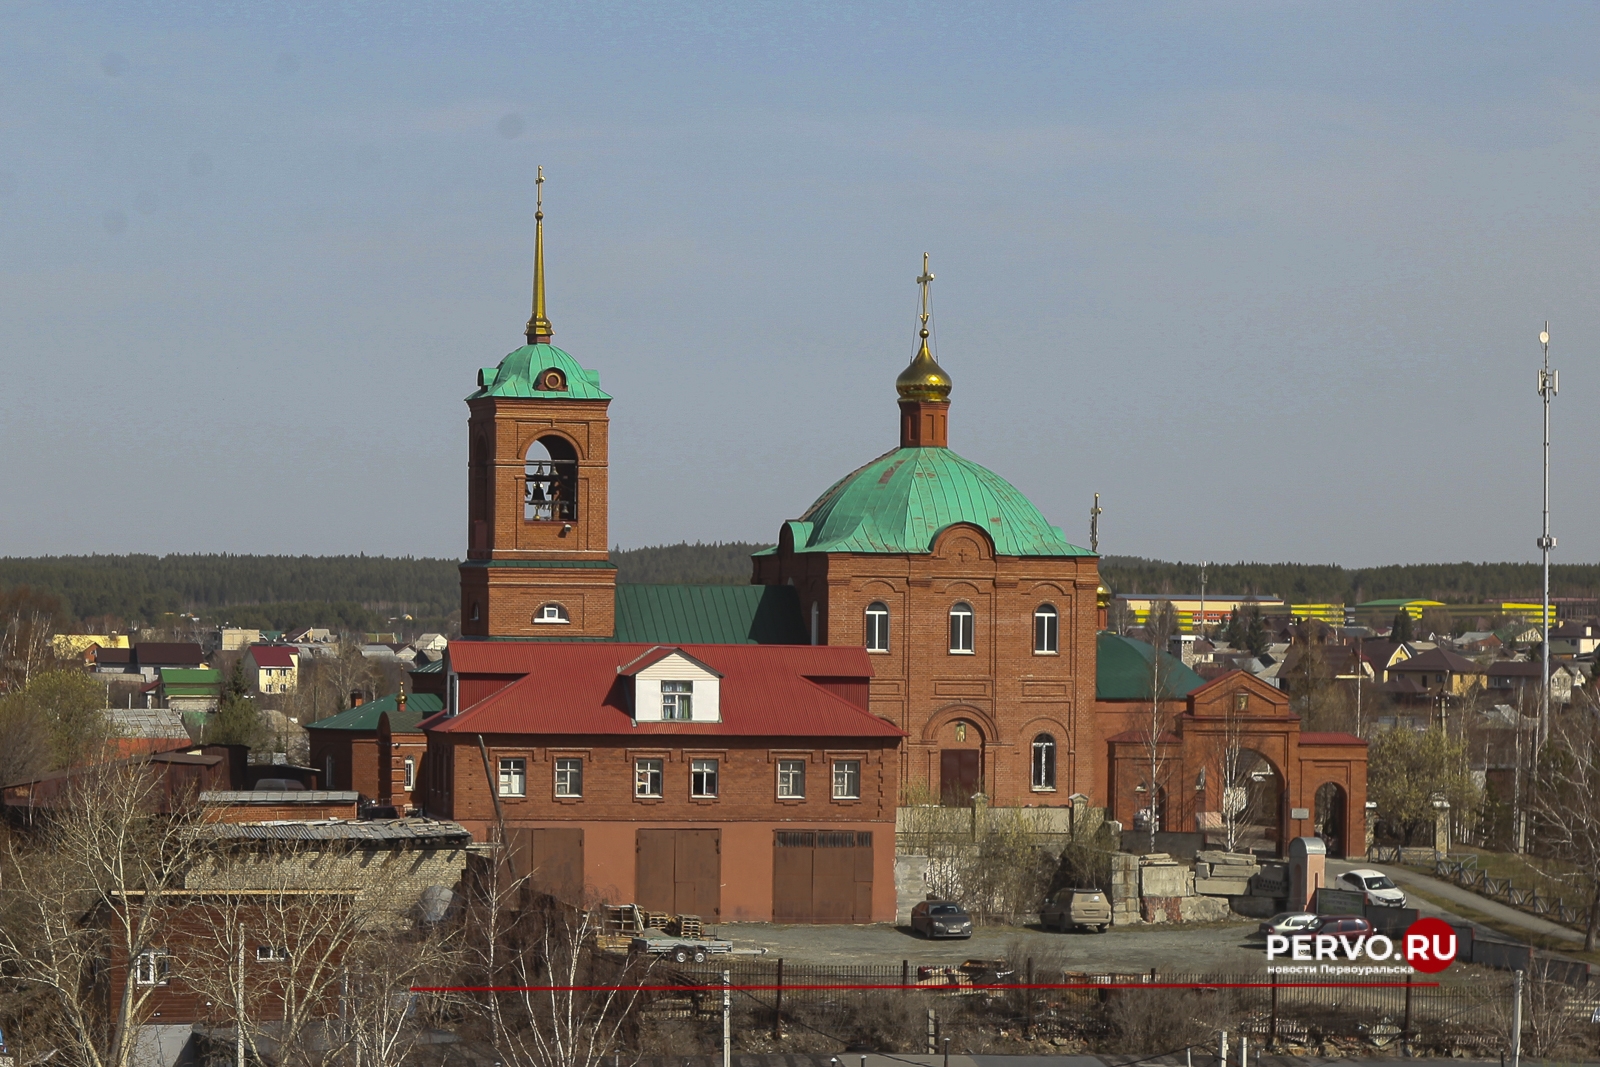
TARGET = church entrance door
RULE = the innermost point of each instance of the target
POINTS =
(959, 772)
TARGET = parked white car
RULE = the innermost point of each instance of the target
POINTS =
(1375, 885)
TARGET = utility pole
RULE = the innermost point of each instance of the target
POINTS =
(1094, 525)
(1203, 565)
(1549, 386)
(727, 1011)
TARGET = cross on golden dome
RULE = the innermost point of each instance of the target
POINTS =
(924, 379)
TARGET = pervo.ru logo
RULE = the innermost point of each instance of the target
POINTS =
(1428, 945)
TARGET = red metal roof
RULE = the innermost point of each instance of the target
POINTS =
(272, 655)
(766, 691)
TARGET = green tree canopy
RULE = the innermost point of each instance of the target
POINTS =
(1407, 769)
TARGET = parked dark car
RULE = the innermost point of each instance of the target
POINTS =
(1342, 926)
(941, 918)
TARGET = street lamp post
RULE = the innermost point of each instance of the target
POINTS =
(1549, 386)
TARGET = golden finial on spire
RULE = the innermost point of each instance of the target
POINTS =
(924, 379)
(538, 330)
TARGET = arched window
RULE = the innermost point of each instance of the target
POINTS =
(816, 623)
(961, 628)
(1044, 762)
(877, 626)
(1046, 630)
(550, 481)
(551, 613)
(477, 613)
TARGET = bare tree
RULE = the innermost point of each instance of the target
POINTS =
(1238, 770)
(96, 881)
(1159, 628)
(25, 646)
(1566, 807)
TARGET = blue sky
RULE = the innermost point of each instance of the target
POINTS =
(1266, 276)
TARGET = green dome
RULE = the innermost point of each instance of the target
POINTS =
(525, 373)
(900, 502)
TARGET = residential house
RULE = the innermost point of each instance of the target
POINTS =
(312, 635)
(1478, 643)
(1516, 682)
(145, 730)
(189, 689)
(637, 769)
(76, 646)
(1574, 638)
(272, 669)
(232, 639)
(1439, 672)
(149, 657)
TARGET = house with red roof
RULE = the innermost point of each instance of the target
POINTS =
(733, 782)
(272, 668)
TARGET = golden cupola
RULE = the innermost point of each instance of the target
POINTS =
(924, 388)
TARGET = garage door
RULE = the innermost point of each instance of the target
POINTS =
(551, 860)
(821, 876)
(679, 872)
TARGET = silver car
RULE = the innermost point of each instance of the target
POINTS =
(1288, 922)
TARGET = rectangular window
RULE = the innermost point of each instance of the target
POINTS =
(846, 779)
(961, 629)
(792, 779)
(152, 967)
(411, 773)
(569, 777)
(271, 954)
(877, 628)
(513, 777)
(703, 778)
(1046, 631)
(676, 699)
(647, 778)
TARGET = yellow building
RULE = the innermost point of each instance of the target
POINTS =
(66, 646)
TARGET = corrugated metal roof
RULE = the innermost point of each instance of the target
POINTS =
(766, 691)
(709, 614)
(365, 717)
(1122, 670)
(522, 369)
(147, 722)
(434, 831)
(272, 655)
(900, 502)
(279, 796)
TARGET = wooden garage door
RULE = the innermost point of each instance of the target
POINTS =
(822, 876)
(680, 872)
(551, 860)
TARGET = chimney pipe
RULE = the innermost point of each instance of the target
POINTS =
(357, 698)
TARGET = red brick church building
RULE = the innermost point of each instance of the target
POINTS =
(925, 635)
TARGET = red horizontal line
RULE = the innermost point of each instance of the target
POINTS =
(791, 987)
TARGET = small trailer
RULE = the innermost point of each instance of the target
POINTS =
(679, 949)
(629, 928)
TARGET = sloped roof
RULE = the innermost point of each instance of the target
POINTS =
(272, 655)
(899, 502)
(148, 723)
(1122, 670)
(167, 653)
(365, 716)
(709, 615)
(574, 688)
(521, 371)
(1438, 659)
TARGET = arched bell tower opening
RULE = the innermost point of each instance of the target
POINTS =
(550, 481)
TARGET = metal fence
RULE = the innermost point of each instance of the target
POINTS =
(910, 1006)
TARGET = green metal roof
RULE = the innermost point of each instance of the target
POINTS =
(365, 717)
(1122, 671)
(900, 502)
(710, 615)
(519, 373)
(191, 678)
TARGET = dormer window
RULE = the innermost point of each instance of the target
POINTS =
(551, 613)
(677, 701)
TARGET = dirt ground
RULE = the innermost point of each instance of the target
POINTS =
(1212, 947)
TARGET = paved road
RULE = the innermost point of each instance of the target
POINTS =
(1217, 948)
(1504, 916)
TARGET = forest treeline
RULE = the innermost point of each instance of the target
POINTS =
(1317, 583)
(363, 592)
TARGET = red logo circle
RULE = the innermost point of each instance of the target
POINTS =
(1430, 945)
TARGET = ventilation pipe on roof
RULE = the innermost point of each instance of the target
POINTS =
(357, 698)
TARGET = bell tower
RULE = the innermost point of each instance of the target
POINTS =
(537, 558)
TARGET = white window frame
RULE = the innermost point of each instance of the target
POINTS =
(551, 614)
(847, 779)
(410, 773)
(513, 776)
(649, 777)
(271, 954)
(1046, 630)
(877, 619)
(1042, 742)
(704, 775)
(791, 779)
(961, 632)
(569, 776)
(152, 967)
(677, 703)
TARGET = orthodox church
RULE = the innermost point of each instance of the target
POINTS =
(969, 650)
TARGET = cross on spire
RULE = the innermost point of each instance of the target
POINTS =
(923, 280)
(538, 330)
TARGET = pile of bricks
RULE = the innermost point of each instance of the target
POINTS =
(1224, 874)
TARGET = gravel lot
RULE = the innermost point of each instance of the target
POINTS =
(1214, 947)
